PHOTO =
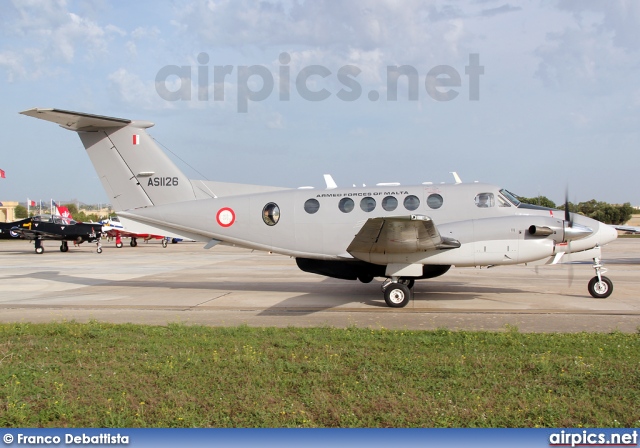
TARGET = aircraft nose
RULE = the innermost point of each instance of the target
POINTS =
(606, 234)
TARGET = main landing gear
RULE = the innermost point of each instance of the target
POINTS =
(64, 246)
(39, 247)
(398, 291)
(133, 242)
(600, 287)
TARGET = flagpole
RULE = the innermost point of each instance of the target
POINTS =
(28, 205)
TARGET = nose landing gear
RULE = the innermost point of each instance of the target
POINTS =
(600, 287)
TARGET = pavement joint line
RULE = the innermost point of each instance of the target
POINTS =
(207, 301)
(379, 310)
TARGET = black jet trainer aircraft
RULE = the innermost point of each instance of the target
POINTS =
(48, 227)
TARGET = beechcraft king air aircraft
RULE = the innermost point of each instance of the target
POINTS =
(400, 233)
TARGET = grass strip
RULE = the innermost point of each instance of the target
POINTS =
(106, 375)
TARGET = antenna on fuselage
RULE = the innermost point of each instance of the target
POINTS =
(456, 177)
(331, 184)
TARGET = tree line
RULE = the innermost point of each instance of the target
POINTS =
(601, 211)
(21, 212)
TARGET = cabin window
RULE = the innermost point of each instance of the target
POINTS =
(346, 205)
(389, 203)
(434, 201)
(368, 204)
(484, 200)
(411, 203)
(311, 206)
(271, 214)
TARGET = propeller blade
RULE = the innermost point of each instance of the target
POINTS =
(567, 215)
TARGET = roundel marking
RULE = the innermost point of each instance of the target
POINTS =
(13, 233)
(226, 217)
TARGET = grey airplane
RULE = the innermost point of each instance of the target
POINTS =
(394, 232)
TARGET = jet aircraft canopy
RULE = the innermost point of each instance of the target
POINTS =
(55, 219)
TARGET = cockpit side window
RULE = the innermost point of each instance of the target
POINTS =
(484, 200)
(510, 196)
(502, 202)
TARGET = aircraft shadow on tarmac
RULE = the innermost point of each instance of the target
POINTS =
(307, 299)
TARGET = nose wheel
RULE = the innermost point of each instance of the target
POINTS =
(600, 287)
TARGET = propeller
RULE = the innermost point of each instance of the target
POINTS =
(572, 231)
(567, 215)
(568, 221)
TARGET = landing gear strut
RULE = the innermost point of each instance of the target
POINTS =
(397, 291)
(39, 247)
(64, 247)
(133, 242)
(600, 287)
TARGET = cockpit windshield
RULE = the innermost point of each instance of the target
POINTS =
(510, 196)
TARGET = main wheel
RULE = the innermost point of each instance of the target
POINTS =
(133, 242)
(600, 289)
(99, 250)
(119, 245)
(164, 242)
(397, 295)
(39, 249)
(408, 281)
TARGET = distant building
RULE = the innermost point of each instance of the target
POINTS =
(8, 211)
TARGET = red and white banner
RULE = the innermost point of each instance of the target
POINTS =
(136, 139)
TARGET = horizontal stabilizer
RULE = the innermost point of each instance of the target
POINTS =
(76, 121)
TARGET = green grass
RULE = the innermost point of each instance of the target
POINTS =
(106, 375)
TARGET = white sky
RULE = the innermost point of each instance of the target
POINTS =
(559, 100)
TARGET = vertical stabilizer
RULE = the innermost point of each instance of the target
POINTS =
(133, 170)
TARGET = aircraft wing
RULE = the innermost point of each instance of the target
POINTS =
(631, 229)
(30, 234)
(399, 235)
(115, 231)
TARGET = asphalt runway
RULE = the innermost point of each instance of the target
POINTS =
(227, 286)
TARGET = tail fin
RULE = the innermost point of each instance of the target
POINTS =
(133, 170)
(64, 212)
